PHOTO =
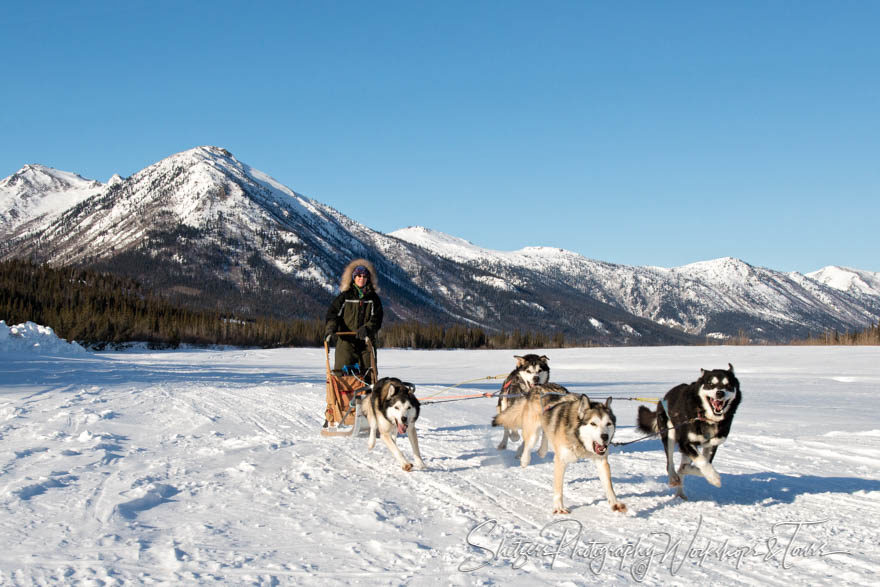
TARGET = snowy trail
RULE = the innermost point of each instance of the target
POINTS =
(198, 466)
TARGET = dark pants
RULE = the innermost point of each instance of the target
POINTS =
(350, 351)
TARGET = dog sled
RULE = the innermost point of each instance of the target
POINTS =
(343, 416)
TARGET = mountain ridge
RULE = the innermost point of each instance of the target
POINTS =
(202, 221)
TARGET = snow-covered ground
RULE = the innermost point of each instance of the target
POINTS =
(199, 466)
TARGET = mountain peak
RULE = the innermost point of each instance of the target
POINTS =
(216, 157)
(210, 151)
(849, 280)
(442, 244)
(220, 151)
(723, 265)
(429, 235)
(36, 191)
(218, 166)
(720, 262)
(34, 177)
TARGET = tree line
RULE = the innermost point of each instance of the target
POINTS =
(98, 308)
(95, 309)
(868, 336)
(434, 336)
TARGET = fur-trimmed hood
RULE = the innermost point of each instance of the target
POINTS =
(346, 281)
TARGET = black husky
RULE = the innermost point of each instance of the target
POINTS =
(695, 415)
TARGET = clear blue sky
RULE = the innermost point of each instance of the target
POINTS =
(643, 133)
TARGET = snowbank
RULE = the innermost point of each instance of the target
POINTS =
(30, 337)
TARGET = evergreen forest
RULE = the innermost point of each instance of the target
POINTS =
(97, 309)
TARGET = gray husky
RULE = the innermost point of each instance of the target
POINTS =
(575, 428)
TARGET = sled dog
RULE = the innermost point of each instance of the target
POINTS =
(696, 416)
(530, 370)
(391, 408)
(525, 413)
(575, 428)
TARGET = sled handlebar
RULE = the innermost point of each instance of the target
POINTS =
(327, 338)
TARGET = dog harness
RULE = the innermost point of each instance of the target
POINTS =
(699, 418)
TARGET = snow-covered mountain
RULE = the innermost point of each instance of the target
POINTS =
(854, 281)
(39, 192)
(716, 299)
(204, 228)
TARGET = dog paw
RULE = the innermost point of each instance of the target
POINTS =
(713, 477)
(561, 510)
(514, 436)
(542, 453)
(407, 467)
(618, 507)
(674, 481)
(502, 446)
(680, 494)
(420, 464)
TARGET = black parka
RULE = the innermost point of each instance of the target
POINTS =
(349, 311)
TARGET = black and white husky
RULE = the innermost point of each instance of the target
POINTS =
(697, 416)
(391, 408)
(530, 370)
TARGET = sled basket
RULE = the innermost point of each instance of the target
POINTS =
(343, 416)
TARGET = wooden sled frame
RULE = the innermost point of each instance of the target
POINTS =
(343, 416)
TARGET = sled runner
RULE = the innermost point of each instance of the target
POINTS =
(343, 416)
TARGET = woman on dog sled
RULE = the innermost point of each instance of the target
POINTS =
(356, 309)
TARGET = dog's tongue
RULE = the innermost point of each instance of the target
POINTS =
(598, 448)
(401, 429)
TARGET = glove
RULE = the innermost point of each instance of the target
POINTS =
(329, 332)
(362, 332)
